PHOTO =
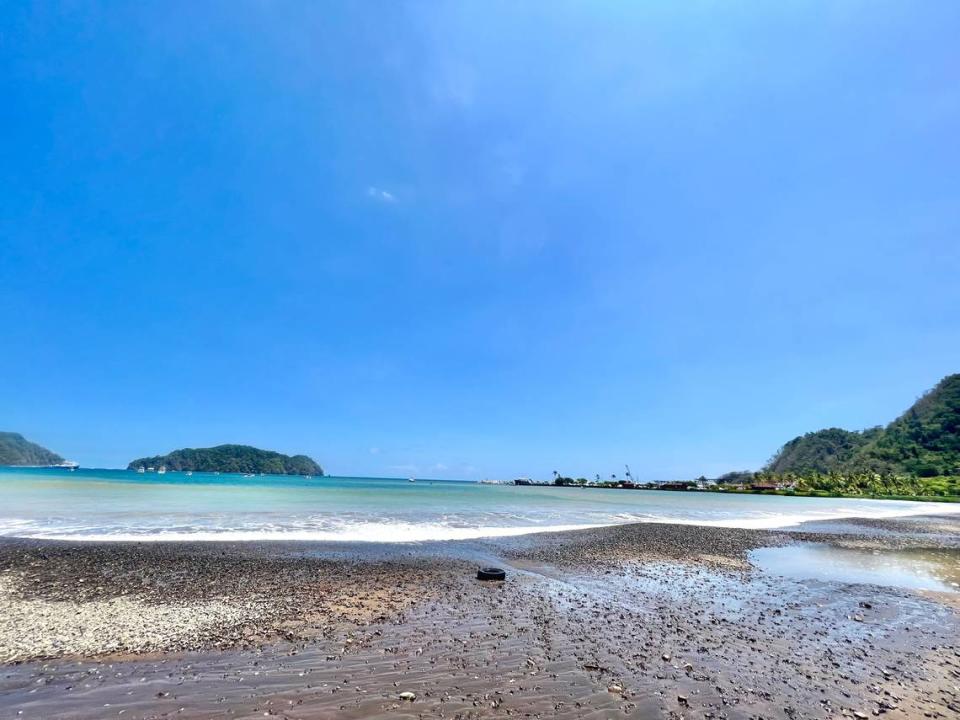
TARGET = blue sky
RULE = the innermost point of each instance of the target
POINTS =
(480, 239)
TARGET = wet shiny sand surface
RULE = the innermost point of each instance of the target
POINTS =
(623, 634)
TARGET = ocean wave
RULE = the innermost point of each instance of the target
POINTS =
(404, 524)
(357, 532)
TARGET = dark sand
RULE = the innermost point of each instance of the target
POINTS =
(644, 621)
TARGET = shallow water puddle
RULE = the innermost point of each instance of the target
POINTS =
(937, 570)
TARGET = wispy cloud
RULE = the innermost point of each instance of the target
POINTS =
(381, 194)
(405, 468)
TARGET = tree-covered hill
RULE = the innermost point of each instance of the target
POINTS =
(15, 449)
(923, 442)
(820, 451)
(232, 459)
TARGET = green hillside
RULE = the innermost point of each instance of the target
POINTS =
(232, 459)
(820, 451)
(15, 449)
(923, 442)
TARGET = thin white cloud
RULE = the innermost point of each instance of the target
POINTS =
(381, 194)
(405, 468)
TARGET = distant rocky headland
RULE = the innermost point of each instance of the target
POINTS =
(15, 449)
(231, 459)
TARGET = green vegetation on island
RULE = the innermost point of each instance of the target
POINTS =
(15, 449)
(231, 459)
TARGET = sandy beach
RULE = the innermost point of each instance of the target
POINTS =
(646, 621)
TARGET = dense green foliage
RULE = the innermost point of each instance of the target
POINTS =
(232, 459)
(923, 442)
(15, 449)
(818, 452)
(867, 484)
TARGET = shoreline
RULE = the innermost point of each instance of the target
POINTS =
(732, 491)
(581, 626)
(409, 533)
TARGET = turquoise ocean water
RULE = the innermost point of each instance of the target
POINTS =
(124, 505)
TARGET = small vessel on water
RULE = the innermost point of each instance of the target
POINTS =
(141, 469)
(411, 479)
(67, 465)
(151, 469)
(162, 470)
(189, 472)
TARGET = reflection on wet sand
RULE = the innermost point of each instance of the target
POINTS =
(642, 622)
(935, 570)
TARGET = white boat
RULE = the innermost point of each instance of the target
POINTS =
(411, 479)
(141, 469)
(150, 469)
(189, 472)
(162, 470)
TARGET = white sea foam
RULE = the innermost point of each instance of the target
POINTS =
(773, 521)
(118, 506)
(386, 530)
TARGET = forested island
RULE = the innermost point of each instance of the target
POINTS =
(15, 449)
(231, 459)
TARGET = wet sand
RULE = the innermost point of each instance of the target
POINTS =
(643, 621)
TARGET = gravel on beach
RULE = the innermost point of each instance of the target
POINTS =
(92, 599)
(633, 621)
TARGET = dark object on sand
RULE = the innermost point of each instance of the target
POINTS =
(491, 573)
